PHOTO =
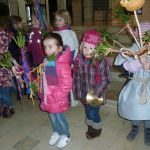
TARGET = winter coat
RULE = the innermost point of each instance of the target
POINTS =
(54, 97)
(87, 77)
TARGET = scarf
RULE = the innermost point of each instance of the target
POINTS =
(50, 71)
(63, 28)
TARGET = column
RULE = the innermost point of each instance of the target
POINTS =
(88, 12)
(61, 4)
(77, 12)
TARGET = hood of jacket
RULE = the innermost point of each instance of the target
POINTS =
(65, 57)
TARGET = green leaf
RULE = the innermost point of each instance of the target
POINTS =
(146, 37)
(20, 40)
(122, 14)
(33, 87)
(6, 60)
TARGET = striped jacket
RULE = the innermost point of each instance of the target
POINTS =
(87, 76)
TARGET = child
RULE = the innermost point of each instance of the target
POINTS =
(35, 44)
(89, 75)
(63, 27)
(6, 104)
(134, 99)
(57, 83)
(15, 26)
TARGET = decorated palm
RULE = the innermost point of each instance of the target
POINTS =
(103, 47)
(6, 60)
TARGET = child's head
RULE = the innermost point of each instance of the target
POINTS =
(53, 44)
(62, 18)
(16, 22)
(35, 22)
(89, 42)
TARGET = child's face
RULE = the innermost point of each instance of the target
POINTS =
(88, 49)
(51, 47)
(17, 25)
(59, 21)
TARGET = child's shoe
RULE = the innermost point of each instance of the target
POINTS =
(64, 140)
(147, 136)
(8, 112)
(54, 138)
(93, 133)
(133, 133)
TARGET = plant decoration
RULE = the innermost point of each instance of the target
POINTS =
(20, 40)
(6, 60)
(44, 31)
(33, 91)
(122, 14)
(146, 37)
(125, 17)
(132, 6)
(40, 14)
(33, 87)
(105, 44)
(35, 84)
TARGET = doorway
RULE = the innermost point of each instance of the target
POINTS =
(52, 10)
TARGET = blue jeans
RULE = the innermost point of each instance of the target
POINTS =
(5, 96)
(59, 123)
(92, 113)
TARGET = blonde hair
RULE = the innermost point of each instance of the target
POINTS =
(65, 15)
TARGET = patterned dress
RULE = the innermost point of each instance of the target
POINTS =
(5, 73)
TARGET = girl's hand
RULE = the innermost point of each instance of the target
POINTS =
(145, 63)
(143, 60)
(83, 102)
(146, 66)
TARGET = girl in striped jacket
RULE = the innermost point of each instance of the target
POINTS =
(89, 76)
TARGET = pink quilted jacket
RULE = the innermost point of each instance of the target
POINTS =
(54, 98)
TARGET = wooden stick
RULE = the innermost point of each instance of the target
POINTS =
(131, 32)
(139, 29)
(121, 30)
(119, 44)
(35, 68)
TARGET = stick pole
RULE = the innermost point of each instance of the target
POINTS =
(139, 29)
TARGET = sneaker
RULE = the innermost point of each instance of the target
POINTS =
(64, 140)
(147, 136)
(54, 138)
(8, 112)
(133, 133)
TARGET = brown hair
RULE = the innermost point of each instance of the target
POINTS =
(65, 15)
(54, 36)
(14, 20)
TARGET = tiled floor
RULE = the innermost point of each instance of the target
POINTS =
(30, 130)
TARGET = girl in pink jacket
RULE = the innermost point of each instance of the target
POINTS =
(57, 83)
